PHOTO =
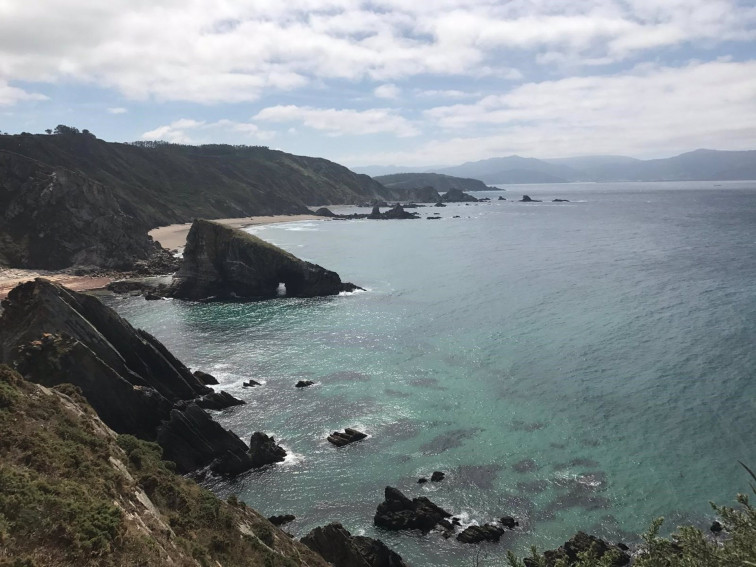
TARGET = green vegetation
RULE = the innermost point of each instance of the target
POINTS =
(688, 547)
(74, 493)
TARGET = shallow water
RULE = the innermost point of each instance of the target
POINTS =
(585, 365)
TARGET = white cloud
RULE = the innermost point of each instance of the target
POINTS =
(341, 122)
(11, 95)
(117, 110)
(188, 131)
(237, 51)
(387, 91)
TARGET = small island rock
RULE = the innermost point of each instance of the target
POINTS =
(349, 436)
(263, 450)
(397, 512)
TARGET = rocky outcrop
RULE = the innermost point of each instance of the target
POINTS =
(528, 199)
(324, 212)
(341, 549)
(54, 335)
(397, 512)
(282, 519)
(349, 436)
(613, 555)
(223, 263)
(264, 450)
(218, 401)
(457, 196)
(397, 212)
(476, 534)
(304, 384)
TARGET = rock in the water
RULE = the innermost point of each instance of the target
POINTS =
(437, 476)
(476, 534)
(224, 263)
(324, 212)
(250, 384)
(395, 213)
(282, 519)
(349, 436)
(501, 198)
(527, 199)
(422, 480)
(509, 522)
(439, 204)
(263, 450)
(341, 549)
(131, 380)
(218, 401)
(205, 378)
(560, 200)
(581, 543)
(716, 528)
(457, 196)
(397, 512)
(304, 384)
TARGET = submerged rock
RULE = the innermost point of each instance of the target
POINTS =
(341, 549)
(560, 200)
(397, 512)
(263, 450)
(304, 384)
(349, 436)
(225, 263)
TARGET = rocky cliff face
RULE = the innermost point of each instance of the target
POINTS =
(223, 262)
(54, 335)
(52, 218)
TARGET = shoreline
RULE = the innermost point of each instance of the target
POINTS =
(171, 237)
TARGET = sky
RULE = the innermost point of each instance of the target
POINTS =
(388, 82)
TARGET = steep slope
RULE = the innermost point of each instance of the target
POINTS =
(135, 187)
(74, 493)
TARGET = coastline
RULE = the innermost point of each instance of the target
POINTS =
(171, 237)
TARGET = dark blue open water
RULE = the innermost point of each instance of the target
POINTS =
(585, 365)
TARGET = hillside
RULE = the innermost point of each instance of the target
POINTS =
(131, 188)
(73, 492)
(441, 183)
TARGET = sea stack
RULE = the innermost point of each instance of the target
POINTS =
(226, 263)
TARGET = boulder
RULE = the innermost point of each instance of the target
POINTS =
(509, 522)
(527, 199)
(437, 476)
(205, 378)
(224, 263)
(250, 384)
(457, 196)
(304, 384)
(282, 519)
(349, 436)
(263, 450)
(341, 549)
(397, 512)
(218, 401)
(476, 534)
(501, 198)
(324, 212)
(54, 335)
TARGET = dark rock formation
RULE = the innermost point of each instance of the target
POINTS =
(457, 196)
(580, 543)
(432, 218)
(476, 534)
(282, 519)
(437, 476)
(349, 436)
(527, 199)
(395, 213)
(509, 522)
(560, 200)
(205, 378)
(250, 384)
(324, 212)
(397, 512)
(54, 335)
(716, 528)
(439, 204)
(422, 480)
(501, 198)
(218, 401)
(341, 549)
(223, 262)
(264, 450)
(304, 384)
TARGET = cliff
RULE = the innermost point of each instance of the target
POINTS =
(73, 492)
(224, 262)
(54, 335)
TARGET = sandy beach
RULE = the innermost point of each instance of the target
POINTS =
(171, 237)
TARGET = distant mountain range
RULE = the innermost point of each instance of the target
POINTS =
(699, 165)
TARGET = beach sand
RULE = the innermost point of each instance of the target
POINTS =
(171, 237)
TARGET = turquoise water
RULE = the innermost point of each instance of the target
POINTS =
(585, 365)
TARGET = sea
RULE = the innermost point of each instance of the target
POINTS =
(584, 365)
